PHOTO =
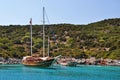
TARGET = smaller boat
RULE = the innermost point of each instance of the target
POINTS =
(67, 62)
(2, 63)
(72, 63)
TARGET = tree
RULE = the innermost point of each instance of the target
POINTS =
(26, 39)
(69, 42)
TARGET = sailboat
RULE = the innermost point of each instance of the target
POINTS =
(35, 60)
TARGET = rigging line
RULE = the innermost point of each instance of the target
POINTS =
(47, 17)
(49, 29)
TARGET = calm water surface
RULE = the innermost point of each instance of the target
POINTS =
(20, 72)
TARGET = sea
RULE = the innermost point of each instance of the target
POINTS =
(58, 72)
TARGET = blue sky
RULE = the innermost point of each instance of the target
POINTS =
(59, 11)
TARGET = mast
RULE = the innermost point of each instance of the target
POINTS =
(31, 35)
(48, 46)
(43, 32)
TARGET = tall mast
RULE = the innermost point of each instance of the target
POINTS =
(43, 32)
(31, 35)
(48, 46)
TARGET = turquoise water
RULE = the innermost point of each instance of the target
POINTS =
(20, 72)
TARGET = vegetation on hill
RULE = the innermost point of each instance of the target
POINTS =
(99, 39)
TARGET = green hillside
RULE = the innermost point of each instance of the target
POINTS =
(99, 39)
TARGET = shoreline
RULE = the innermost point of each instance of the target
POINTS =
(10, 61)
(81, 61)
(91, 61)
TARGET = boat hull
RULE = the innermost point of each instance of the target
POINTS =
(44, 63)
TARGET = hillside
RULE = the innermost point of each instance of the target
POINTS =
(99, 39)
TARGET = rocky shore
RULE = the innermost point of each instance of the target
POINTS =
(92, 61)
(10, 61)
(101, 61)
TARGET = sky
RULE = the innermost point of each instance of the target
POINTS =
(18, 12)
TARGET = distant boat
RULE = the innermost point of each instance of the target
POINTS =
(1, 62)
(35, 60)
(67, 62)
